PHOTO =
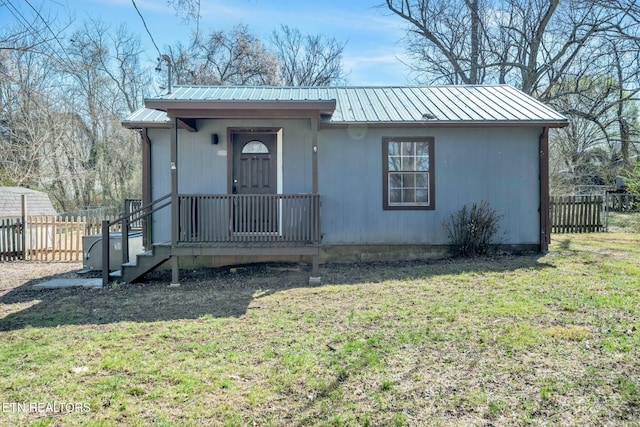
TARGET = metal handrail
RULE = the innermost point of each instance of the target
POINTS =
(137, 211)
(126, 220)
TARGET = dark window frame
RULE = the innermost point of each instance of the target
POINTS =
(385, 173)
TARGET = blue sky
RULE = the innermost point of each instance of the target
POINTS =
(374, 53)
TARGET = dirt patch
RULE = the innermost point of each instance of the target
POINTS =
(18, 273)
(19, 276)
(217, 292)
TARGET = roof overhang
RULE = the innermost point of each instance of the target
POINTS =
(187, 124)
(241, 109)
(447, 124)
(145, 125)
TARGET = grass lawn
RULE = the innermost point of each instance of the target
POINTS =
(629, 222)
(540, 340)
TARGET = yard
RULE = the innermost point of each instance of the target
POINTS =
(514, 340)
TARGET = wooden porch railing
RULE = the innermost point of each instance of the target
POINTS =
(249, 218)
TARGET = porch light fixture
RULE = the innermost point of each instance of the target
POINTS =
(214, 139)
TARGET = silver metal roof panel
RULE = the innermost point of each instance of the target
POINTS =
(470, 104)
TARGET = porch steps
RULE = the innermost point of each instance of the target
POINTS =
(144, 263)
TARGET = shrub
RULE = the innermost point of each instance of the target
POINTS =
(471, 231)
(632, 179)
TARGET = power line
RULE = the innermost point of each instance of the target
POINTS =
(37, 34)
(145, 27)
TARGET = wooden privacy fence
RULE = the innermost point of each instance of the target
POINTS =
(46, 238)
(576, 214)
(11, 239)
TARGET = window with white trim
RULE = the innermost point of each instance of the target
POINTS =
(408, 181)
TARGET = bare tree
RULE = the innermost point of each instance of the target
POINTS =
(582, 154)
(188, 9)
(528, 43)
(237, 58)
(24, 115)
(62, 98)
(101, 82)
(582, 56)
(307, 60)
(446, 37)
(34, 32)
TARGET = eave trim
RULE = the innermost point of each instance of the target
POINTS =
(325, 107)
(446, 124)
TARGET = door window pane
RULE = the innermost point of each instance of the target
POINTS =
(255, 147)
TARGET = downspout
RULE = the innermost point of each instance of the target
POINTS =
(545, 221)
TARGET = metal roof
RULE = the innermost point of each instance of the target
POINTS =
(148, 117)
(460, 104)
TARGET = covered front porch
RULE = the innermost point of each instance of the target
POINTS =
(230, 179)
(246, 225)
(220, 225)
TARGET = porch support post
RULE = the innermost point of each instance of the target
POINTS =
(314, 154)
(545, 221)
(175, 280)
(174, 201)
(146, 187)
(315, 278)
(315, 269)
(25, 228)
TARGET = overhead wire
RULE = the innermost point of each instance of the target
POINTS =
(41, 39)
(38, 34)
(65, 61)
(146, 27)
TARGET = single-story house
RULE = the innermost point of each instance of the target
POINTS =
(239, 174)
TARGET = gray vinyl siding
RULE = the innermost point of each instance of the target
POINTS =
(202, 166)
(497, 165)
(160, 182)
